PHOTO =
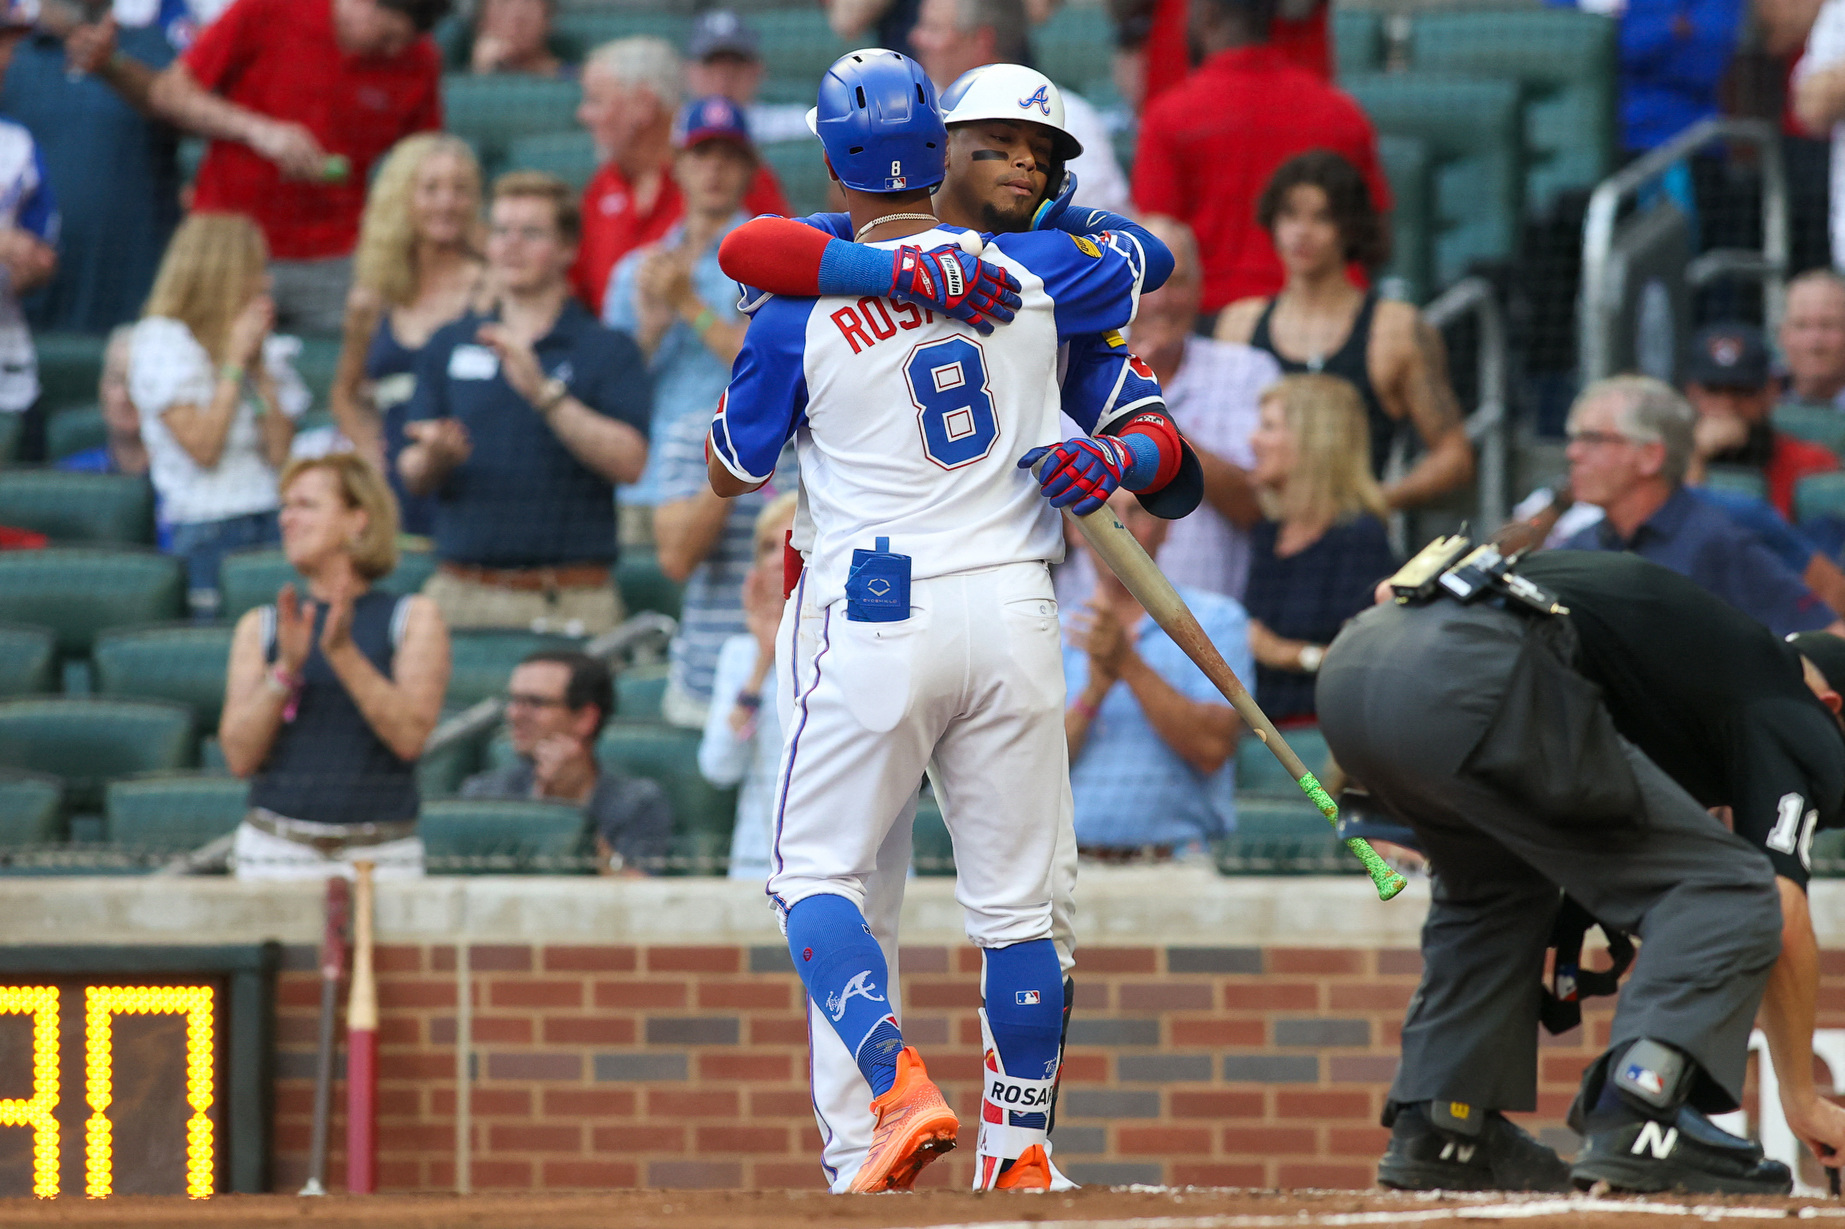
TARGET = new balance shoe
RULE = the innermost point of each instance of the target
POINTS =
(1030, 1171)
(1498, 1157)
(915, 1126)
(1690, 1153)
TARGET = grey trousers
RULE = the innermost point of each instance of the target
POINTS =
(310, 295)
(1404, 695)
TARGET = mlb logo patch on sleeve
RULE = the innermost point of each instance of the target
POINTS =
(1026, 998)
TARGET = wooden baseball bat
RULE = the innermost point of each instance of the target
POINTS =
(332, 969)
(1143, 578)
(362, 1045)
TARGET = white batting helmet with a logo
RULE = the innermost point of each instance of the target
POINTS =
(1009, 91)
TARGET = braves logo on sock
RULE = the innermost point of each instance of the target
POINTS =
(859, 987)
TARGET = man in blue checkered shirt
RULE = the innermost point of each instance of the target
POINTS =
(1152, 742)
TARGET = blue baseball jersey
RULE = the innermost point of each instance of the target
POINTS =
(909, 424)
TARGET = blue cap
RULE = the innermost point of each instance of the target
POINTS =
(18, 15)
(711, 119)
(721, 32)
(877, 118)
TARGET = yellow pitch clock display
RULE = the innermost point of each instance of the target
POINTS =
(135, 1070)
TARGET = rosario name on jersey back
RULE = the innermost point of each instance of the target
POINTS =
(909, 424)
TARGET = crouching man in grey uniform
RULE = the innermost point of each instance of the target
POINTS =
(1568, 726)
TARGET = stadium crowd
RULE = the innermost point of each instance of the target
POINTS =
(526, 370)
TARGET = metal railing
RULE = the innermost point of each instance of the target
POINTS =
(1489, 426)
(1600, 298)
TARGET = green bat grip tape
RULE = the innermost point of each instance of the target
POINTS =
(1387, 881)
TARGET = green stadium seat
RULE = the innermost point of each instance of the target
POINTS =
(1259, 772)
(252, 578)
(88, 741)
(80, 593)
(1740, 478)
(1565, 61)
(797, 47)
(28, 660)
(30, 805)
(1410, 168)
(1076, 49)
(1818, 423)
(1819, 495)
(75, 429)
(513, 834)
(414, 567)
(1281, 836)
(491, 112)
(801, 167)
(316, 363)
(79, 508)
(703, 815)
(185, 663)
(644, 586)
(483, 660)
(439, 773)
(589, 28)
(1358, 41)
(69, 368)
(1474, 129)
(571, 156)
(932, 850)
(10, 427)
(211, 755)
(638, 694)
(173, 810)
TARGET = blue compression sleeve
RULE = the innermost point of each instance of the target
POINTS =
(1024, 1001)
(1095, 221)
(844, 971)
(848, 268)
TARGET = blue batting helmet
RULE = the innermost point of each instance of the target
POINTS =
(879, 123)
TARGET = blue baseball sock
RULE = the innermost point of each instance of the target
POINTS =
(1023, 986)
(845, 974)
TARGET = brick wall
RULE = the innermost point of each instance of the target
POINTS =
(679, 1066)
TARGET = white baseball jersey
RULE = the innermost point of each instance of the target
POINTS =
(909, 424)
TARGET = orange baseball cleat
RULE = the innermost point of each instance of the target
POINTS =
(915, 1126)
(1030, 1172)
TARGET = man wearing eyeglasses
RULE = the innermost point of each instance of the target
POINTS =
(556, 705)
(526, 416)
(1631, 443)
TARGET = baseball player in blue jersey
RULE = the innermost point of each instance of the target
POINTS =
(993, 114)
(923, 631)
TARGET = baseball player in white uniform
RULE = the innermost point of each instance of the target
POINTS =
(923, 630)
(1103, 387)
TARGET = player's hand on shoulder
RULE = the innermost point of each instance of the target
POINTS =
(1080, 473)
(956, 283)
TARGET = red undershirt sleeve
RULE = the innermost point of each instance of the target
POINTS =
(778, 255)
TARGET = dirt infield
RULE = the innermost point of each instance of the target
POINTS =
(1125, 1208)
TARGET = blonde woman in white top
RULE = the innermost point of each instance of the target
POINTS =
(216, 394)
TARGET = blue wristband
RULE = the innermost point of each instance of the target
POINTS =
(1146, 466)
(848, 268)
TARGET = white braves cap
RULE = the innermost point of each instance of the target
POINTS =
(1009, 91)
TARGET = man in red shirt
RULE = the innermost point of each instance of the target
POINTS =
(299, 98)
(1209, 145)
(631, 89)
(1727, 382)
